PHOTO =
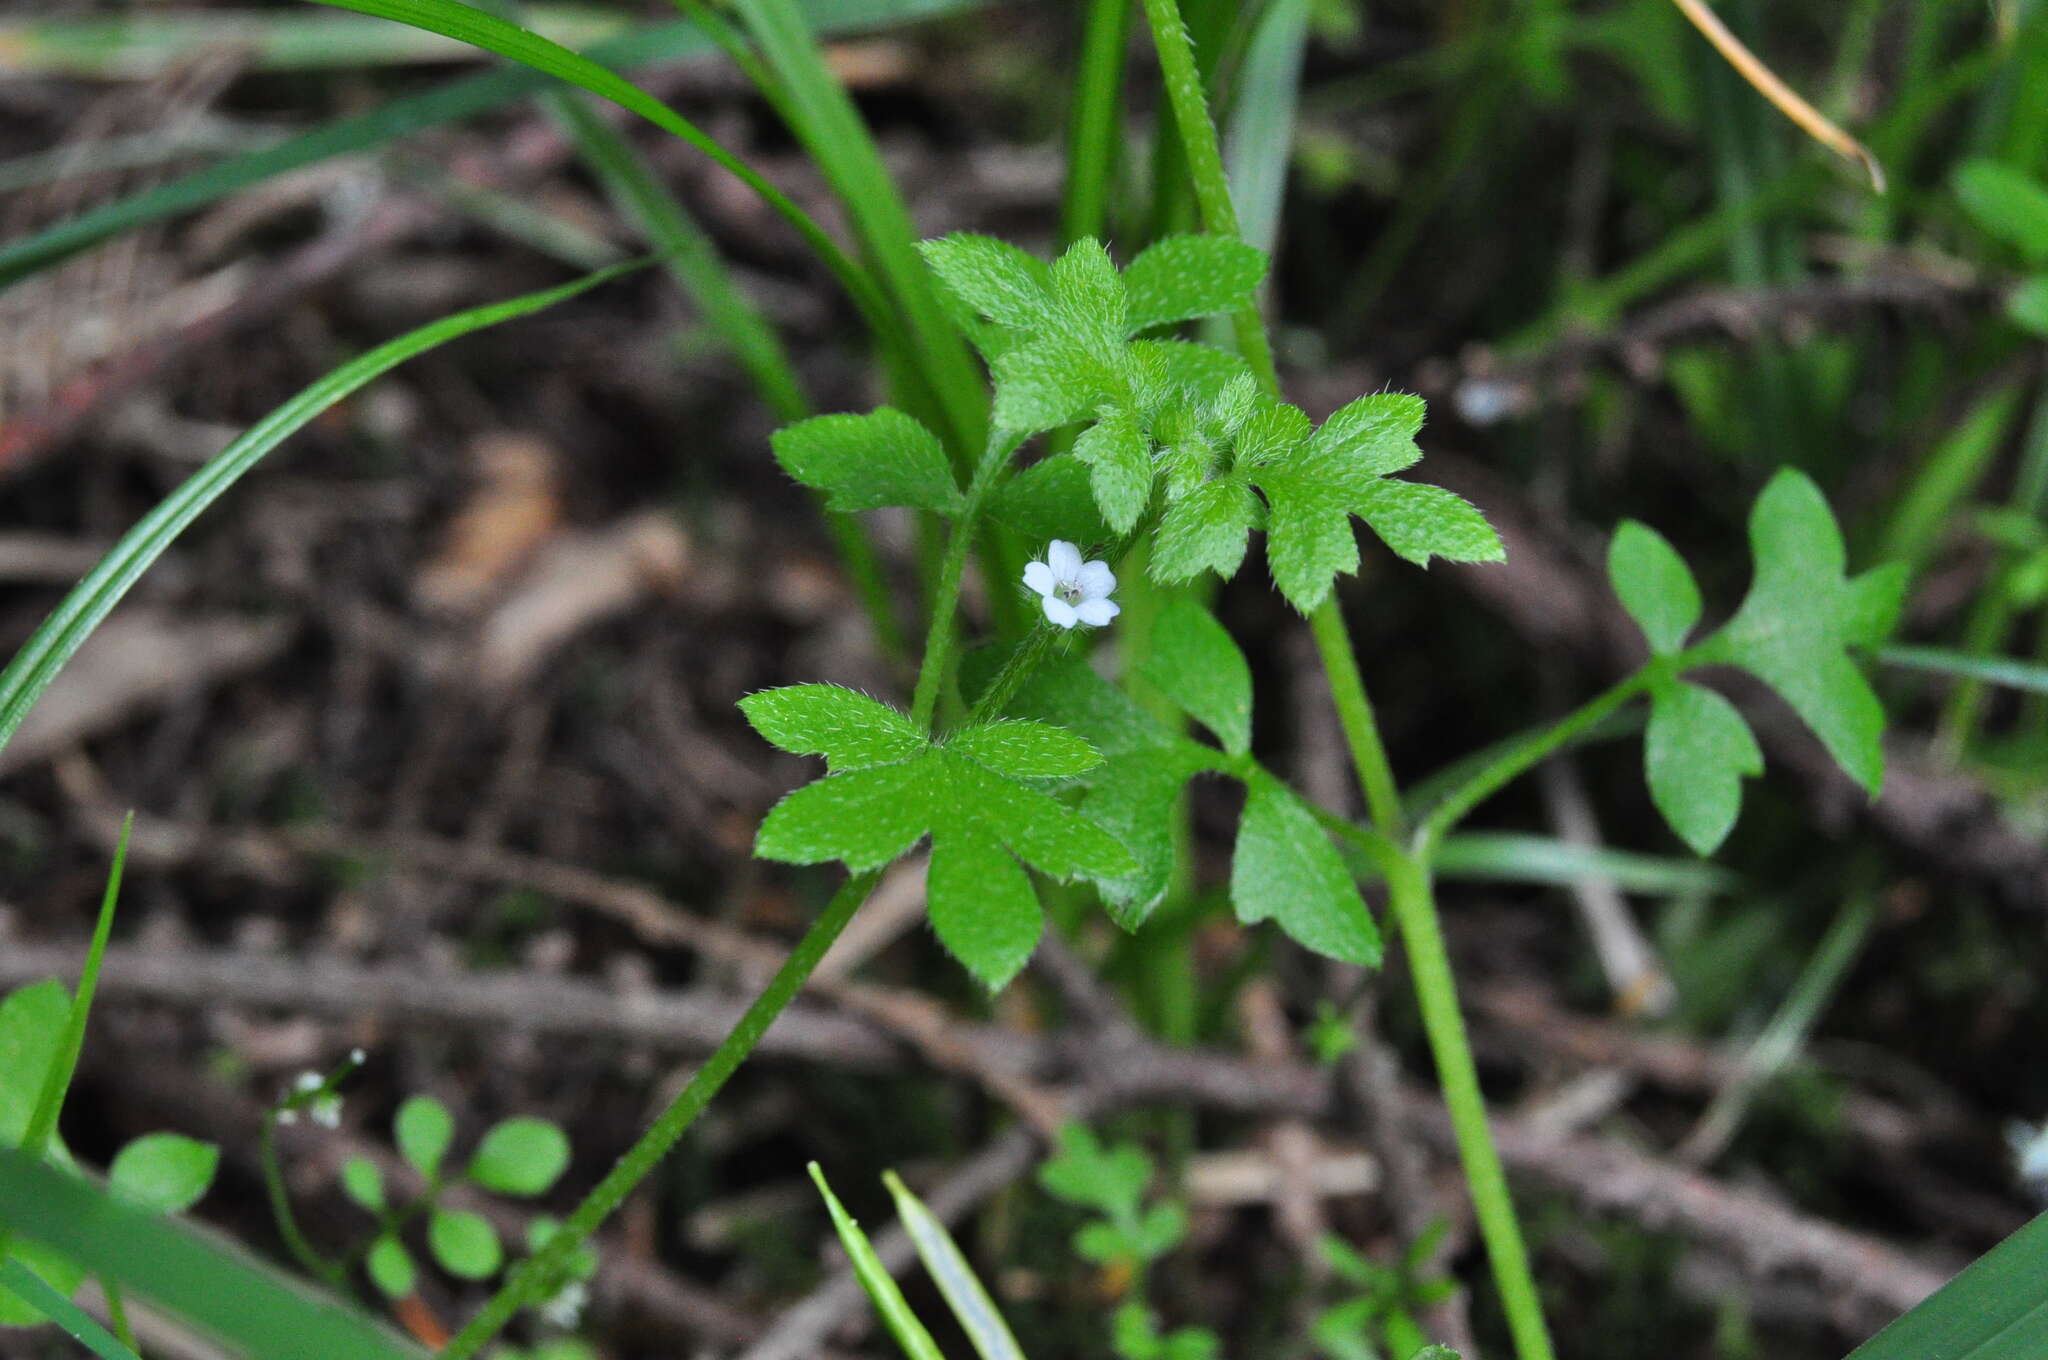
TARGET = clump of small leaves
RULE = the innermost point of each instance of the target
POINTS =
(1379, 1319)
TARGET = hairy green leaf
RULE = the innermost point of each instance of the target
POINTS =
(996, 279)
(864, 818)
(1179, 278)
(1195, 662)
(1119, 461)
(849, 729)
(1024, 749)
(1051, 499)
(1205, 530)
(982, 904)
(1286, 870)
(865, 462)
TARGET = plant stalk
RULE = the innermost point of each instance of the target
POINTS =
(640, 1159)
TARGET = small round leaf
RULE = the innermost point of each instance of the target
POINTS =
(167, 1172)
(361, 1182)
(424, 1129)
(520, 1156)
(390, 1266)
(464, 1244)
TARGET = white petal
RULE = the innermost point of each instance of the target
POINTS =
(1060, 612)
(1039, 577)
(1064, 559)
(1096, 613)
(1096, 580)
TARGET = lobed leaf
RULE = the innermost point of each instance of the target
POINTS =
(849, 729)
(1696, 752)
(864, 818)
(1419, 522)
(982, 904)
(1207, 529)
(1119, 460)
(995, 278)
(866, 462)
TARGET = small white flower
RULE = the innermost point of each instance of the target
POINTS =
(1074, 591)
(565, 1309)
(324, 1110)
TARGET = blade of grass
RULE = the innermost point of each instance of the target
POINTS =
(1511, 857)
(825, 120)
(874, 1277)
(42, 1121)
(209, 1282)
(29, 1287)
(1260, 144)
(1996, 1309)
(1093, 132)
(460, 99)
(965, 1295)
(1997, 670)
(53, 644)
(692, 261)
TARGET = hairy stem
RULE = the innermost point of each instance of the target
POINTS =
(938, 643)
(1414, 905)
(1412, 902)
(640, 1159)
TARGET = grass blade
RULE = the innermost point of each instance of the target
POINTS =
(910, 1334)
(2026, 675)
(464, 98)
(191, 1273)
(53, 644)
(965, 1295)
(1517, 858)
(28, 1286)
(1996, 1309)
(42, 1121)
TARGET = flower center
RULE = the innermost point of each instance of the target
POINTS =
(1070, 591)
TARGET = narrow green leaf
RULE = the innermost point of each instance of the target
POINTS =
(164, 1172)
(1996, 1309)
(212, 1285)
(60, 1275)
(424, 1130)
(1024, 749)
(32, 1025)
(464, 1243)
(1179, 278)
(982, 904)
(64, 1061)
(520, 1156)
(467, 24)
(1285, 869)
(1655, 585)
(1511, 857)
(849, 729)
(53, 644)
(2009, 203)
(865, 462)
(2031, 676)
(1946, 478)
(874, 1277)
(1195, 662)
(947, 1264)
(399, 118)
(20, 1284)
(1696, 752)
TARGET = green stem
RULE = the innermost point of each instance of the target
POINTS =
(295, 1241)
(938, 644)
(1354, 711)
(1412, 903)
(640, 1159)
(1025, 658)
(1092, 139)
(1525, 755)
(117, 1313)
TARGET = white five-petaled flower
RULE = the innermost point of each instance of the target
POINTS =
(1074, 591)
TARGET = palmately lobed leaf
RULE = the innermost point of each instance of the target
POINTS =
(1179, 278)
(866, 462)
(1285, 869)
(849, 729)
